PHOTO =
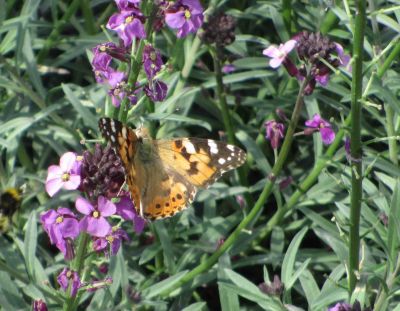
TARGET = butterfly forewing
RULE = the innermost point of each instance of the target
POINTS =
(124, 141)
(200, 161)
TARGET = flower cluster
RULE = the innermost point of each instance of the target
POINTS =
(99, 176)
(318, 54)
(110, 60)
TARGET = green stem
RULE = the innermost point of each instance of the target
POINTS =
(210, 261)
(356, 148)
(88, 17)
(77, 265)
(227, 118)
(58, 26)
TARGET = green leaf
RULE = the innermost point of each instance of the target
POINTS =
(30, 243)
(228, 300)
(162, 286)
(290, 257)
(198, 306)
(310, 286)
(394, 225)
(87, 116)
(178, 118)
(165, 240)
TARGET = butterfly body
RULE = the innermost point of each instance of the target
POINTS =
(163, 175)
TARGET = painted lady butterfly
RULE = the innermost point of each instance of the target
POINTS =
(163, 175)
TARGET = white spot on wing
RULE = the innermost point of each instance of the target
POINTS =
(112, 138)
(213, 146)
(221, 161)
(112, 123)
(229, 159)
(189, 147)
(124, 132)
(230, 147)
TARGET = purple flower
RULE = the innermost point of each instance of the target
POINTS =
(344, 59)
(95, 222)
(278, 54)
(127, 4)
(341, 306)
(61, 225)
(228, 68)
(118, 91)
(39, 305)
(347, 148)
(67, 277)
(275, 132)
(113, 238)
(156, 90)
(66, 175)
(152, 61)
(324, 127)
(127, 211)
(102, 57)
(184, 15)
(128, 24)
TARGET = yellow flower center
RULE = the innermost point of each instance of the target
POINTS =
(79, 158)
(129, 19)
(96, 214)
(321, 125)
(69, 274)
(59, 219)
(153, 56)
(102, 48)
(187, 14)
(110, 239)
(65, 177)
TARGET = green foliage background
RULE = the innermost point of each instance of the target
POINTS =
(50, 102)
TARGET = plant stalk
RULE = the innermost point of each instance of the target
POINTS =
(355, 146)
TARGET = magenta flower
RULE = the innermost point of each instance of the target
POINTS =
(152, 61)
(274, 132)
(39, 305)
(66, 175)
(60, 226)
(323, 126)
(95, 222)
(278, 54)
(341, 306)
(127, 211)
(113, 239)
(117, 81)
(228, 68)
(128, 24)
(186, 16)
(127, 4)
(156, 90)
(67, 277)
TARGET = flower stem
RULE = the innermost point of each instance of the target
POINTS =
(210, 261)
(77, 265)
(226, 117)
(356, 148)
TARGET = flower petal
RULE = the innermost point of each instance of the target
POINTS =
(67, 161)
(54, 171)
(69, 228)
(73, 182)
(84, 206)
(98, 227)
(327, 135)
(53, 186)
(106, 207)
(272, 51)
(288, 46)
(175, 20)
